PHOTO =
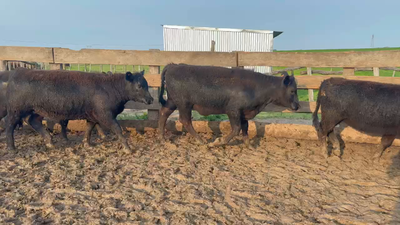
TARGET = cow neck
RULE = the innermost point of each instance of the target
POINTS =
(119, 87)
(271, 86)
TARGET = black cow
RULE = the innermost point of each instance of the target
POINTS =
(71, 95)
(4, 76)
(239, 93)
(3, 102)
(369, 107)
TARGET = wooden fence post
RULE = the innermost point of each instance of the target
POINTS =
(376, 71)
(310, 91)
(153, 114)
(3, 65)
(237, 60)
(56, 66)
(348, 71)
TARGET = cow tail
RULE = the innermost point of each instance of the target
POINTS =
(161, 97)
(316, 123)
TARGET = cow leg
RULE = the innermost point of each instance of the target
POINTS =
(50, 125)
(114, 126)
(11, 122)
(342, 145)
(245, 128)
(88, 134)
(100, 131)
(328, 123)
(64, 125)
(36, 123)
(20, 124)
(165, 112)
(235, 121)
(386, 142)
(185, 117)
(329, 143)
(3, 113)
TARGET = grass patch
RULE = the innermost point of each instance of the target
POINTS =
(131, 116)
(224, 117)
(260, 116)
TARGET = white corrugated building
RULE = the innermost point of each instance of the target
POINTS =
(185, 38)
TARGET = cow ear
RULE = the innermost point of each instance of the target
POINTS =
(286, 80)
(142, 73)
(129, 76)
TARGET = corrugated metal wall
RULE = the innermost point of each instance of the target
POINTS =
(177, 39)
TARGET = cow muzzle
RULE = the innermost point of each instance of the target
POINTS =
(148, 100)
(295, 106)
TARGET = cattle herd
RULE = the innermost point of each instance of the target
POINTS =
(98, 98)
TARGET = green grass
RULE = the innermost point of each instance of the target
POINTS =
(222, 117)
(260, 116)
(131, 116)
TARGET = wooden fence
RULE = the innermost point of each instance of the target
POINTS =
(57, 57)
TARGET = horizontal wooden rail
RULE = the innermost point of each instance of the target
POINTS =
(233, 59)
(305, 107)
(313, 82)
(131, 57)
(321, 59)
(303, 81)
(33, 54)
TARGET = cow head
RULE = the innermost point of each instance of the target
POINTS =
(137, 88)
(288, 92)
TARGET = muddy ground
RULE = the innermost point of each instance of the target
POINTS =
(279, 182)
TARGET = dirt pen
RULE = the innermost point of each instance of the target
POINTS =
(285, 178)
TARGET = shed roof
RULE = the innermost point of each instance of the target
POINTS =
(275, 33)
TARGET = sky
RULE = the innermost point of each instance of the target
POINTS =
(136, 25)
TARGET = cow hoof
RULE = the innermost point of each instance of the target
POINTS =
(49, 146)
(87, 145)
(126, 151)
(12, 149)
(377, 158)
(103, 137)
(200, 142)
(217, 142)
(162, 141)
(248, 145)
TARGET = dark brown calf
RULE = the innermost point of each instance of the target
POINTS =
(369, 107)
(4, 76)
(71, 95)
(239, 93)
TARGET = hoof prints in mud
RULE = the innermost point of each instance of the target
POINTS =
(279, 181)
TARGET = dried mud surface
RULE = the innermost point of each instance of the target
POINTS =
(280, 181)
